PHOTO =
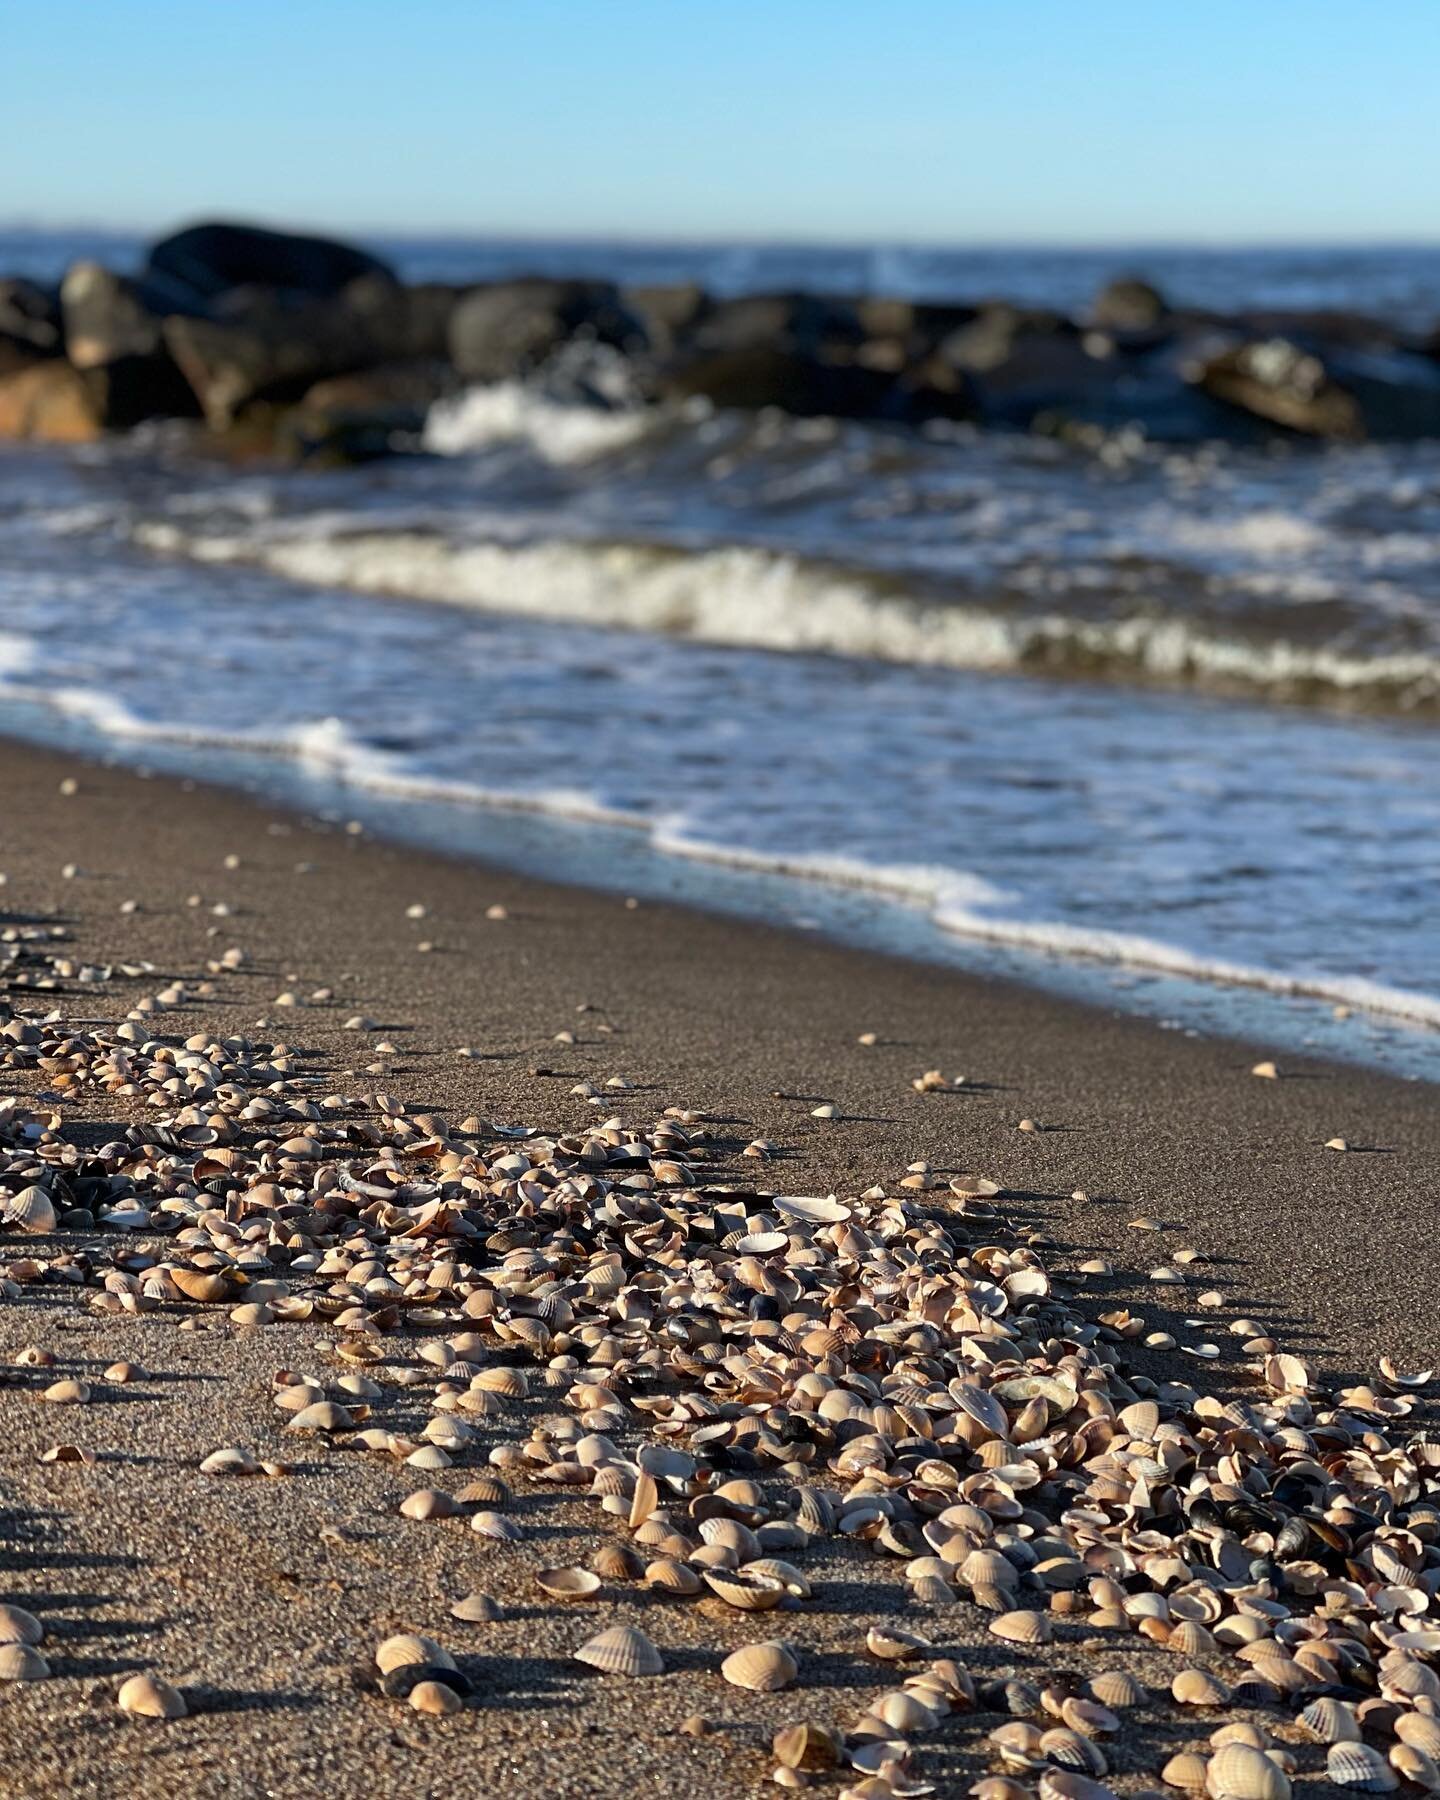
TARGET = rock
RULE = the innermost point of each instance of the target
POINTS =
(1129, 304)
(1397, 393)
(497, 333)
(805, 323)
(764, 376)
(29, 325)
(273, 349)
(106, 317)
(207, 260)
(1022, 364)
(668, 313)
(115, 338)
(1284, 383)
(357, 418)
(48, 402)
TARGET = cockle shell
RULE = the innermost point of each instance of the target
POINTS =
(22, 1662)
(745, 1591)
(1022, 1627)
(569, 1584)
(1238, 1772)
(763, 1668)
(20, 1627)
(622, 1650)
(1360, 1769)
(148, 1697)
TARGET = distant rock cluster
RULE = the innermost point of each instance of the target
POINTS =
(300, 347)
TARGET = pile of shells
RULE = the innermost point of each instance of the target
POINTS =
(733, 1375)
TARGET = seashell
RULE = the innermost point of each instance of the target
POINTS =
(322, 1415)
(904, 1712)
(22, 1662)
(763, 1668)
(437, 1698)
(616, 1562)
(1069, 1784)
(509, 1383)
(622, 1650)
(428, 1503)
(810, 1748)
(1197, 1687)
(1421, 1730)
(811, 1211)
(31, 1211)
(1360, 1769)
(20, 1627)
(672, 1577)
(889, 1644)
(988, 1568)
(1070, 1750)
(1238, 1772)
(569, 1584)
(1416, 1767)
(477, 1609)
(205, 1285)
(407, 1649)
(495, 1525)
(1088, 1717)
(1330, 1721)
(1189, 1638)
(1189, 1771)
(487, 1489)
(1117, 1687)
(744, 1591)
(235, 1459)
(148, 1697)
(66, 1393)
(1022, 1627)
(793, 1580)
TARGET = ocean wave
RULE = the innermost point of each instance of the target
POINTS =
(959, 902)
(761, 599)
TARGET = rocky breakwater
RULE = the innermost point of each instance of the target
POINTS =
(277, 344)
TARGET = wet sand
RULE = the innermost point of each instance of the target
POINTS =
(229, 1588)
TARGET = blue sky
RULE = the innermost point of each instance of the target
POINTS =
(999, 121)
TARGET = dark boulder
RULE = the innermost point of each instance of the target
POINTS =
(207, 260)
(667, 313)
(1397, 393)
(790, 380)
(809, 324)
(370, 414)
(272, 352)
(117, 343)
(1021, 364)
(511, 328)
(30, 328)
(1129, 304)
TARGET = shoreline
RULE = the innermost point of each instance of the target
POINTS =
(264, 1599)
(1141, 1113)
(1349, 1021)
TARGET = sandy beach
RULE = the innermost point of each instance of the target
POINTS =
(264, 1599)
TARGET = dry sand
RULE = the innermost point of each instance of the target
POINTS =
(229, 1588)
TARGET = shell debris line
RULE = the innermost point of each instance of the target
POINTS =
(737, 1380)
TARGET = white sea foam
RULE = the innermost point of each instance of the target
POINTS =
(963, 903)
(740, 595)
(509, 412)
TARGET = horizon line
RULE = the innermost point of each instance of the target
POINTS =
(635, 239)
